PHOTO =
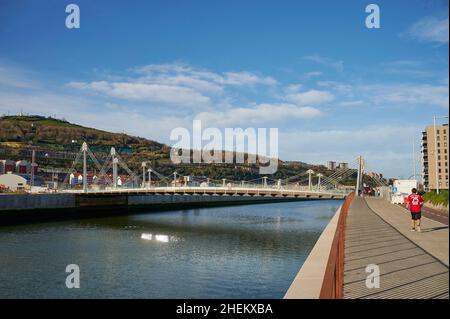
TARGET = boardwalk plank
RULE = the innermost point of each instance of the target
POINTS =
(406, 270)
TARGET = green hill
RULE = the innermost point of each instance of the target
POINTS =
(59, 140)
(55, 134)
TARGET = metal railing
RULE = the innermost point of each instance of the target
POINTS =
(202, 189)
(332, 286)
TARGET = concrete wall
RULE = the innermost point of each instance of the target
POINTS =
(309, 280)
(44, 201)
(161, 199)
(35, 201)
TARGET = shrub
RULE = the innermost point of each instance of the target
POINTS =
(437, 199)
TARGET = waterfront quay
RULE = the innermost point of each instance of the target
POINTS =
(368, 251)
(70, 204)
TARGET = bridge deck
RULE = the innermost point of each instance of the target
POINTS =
(227, 191)
(406, 269)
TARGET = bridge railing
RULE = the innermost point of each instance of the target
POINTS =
(332, 286)
(209, 189)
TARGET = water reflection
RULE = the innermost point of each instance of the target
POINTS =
(250, 251)
(160, 238)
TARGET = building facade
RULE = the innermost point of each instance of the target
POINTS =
(331, 165)
(13, 182)
(435, 157)
(343, 165)
(7, 166)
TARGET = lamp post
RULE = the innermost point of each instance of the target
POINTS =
(265, 181)
(359, 176)
(149, 177)
(174, 179)
(84, 148)
(318, 183)
(143, 174)
(310, 172)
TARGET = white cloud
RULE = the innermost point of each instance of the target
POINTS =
(293, 88)
(339, 87)
(173, 71)
(311, 97)
(408, 94)
(175, 84)
(170, 94)
(266, 114)
(246, 78)
(391, 156)
(351, 103)
(181, 80)
(430, 29)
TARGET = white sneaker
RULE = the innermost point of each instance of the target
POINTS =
(418, 228)
(413, 229)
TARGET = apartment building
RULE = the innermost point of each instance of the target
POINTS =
(435, 157)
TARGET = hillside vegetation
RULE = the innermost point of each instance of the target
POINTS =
(437, 199)
(20, 134)
(55, 134)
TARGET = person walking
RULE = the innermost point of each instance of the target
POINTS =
(414, 203)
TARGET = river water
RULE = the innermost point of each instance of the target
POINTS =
(248, 251)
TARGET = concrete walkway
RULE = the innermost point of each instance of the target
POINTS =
(433, 238)
(410, 266)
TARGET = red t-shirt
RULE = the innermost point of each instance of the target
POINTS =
(415, 203)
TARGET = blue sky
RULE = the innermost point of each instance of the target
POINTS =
(334, 88)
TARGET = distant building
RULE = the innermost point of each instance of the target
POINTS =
(343, 165)
(435, 157)
(23, 167)
(7, 166)
(13, 182)
(331, 165)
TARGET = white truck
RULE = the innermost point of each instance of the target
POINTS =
(401, 189)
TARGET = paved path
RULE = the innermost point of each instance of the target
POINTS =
(433, 238)
(412, 265)
(435, 214)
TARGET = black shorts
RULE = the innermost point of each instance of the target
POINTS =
(416, 216)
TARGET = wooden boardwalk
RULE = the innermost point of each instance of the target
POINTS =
(406, 270)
